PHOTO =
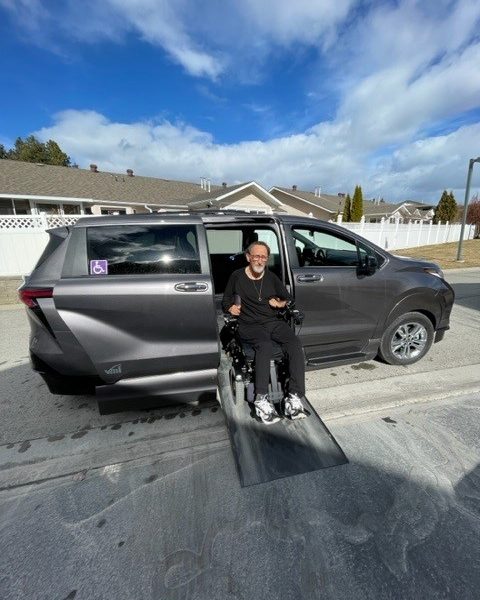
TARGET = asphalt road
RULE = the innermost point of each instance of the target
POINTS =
(148, 505)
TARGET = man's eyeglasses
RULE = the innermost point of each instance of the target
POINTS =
(259, 257)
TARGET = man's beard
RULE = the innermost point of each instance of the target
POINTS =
(258, 269)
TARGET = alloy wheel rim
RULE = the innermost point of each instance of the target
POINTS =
(409, 341)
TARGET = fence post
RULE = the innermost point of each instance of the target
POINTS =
(409, 227)
(339, 218)
(446, 231)
(419, 233)
(382, 225)
(43, 221)
(437, 232)
(429, 231)
(362, 221)
(395, 235)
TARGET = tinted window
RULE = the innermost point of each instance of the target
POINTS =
(137, 249)
(315, 247)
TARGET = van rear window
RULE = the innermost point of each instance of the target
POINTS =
(142, 249)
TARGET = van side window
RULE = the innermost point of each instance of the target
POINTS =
(142, 249)
(315, 247)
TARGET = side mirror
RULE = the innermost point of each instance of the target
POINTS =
(371, 264)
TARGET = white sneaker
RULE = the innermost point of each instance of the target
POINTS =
(294, 407)
(265, 409)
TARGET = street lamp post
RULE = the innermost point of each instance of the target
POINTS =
(467, 194)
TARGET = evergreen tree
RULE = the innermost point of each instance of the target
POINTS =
(55, 156)
(347, 210)
(357, 205)
(28, 150)
(3, 152)
(32, 150)
(446, 209)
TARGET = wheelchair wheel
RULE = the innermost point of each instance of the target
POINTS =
(237, 387)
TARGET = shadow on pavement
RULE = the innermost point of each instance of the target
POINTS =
(182, 528)
(467, 294)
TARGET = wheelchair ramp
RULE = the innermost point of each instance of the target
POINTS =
(266, 452)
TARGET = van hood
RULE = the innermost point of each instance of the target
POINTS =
(420, 263)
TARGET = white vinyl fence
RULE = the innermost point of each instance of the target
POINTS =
(23, 238)
(394, 236)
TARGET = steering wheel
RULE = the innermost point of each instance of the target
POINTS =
(320, 257)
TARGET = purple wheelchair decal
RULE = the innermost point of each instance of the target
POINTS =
(99, 267)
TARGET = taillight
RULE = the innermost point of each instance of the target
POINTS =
(29, 295)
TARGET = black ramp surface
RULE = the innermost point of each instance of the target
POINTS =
(267, 452)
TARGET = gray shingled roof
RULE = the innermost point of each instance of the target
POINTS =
(215, 192)
(385, 209)
(333, 203)
(30, 179)
(326, 201)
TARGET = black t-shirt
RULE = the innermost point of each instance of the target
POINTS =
(254, 309)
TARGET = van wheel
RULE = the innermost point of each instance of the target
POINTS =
(407, 339)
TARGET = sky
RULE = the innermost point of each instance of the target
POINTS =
(314, 93)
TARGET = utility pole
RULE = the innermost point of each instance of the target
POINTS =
(467, 196)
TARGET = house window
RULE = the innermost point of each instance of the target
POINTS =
(6, 206)
(22, 207)
(71, 209)
(48, 208)
(105, 210)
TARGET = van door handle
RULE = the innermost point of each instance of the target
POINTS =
(191, 286)
(309, 278)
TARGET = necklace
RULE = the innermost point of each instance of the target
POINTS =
(259, 293)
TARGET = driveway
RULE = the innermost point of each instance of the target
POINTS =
(148, 505)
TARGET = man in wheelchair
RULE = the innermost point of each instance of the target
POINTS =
(256, 296)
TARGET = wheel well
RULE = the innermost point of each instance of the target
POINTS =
(428, 314)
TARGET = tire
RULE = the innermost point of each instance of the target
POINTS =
(237, 387)
(407, 339)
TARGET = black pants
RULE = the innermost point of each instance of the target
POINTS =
(261, 337)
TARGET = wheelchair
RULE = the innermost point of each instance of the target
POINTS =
(242, 354)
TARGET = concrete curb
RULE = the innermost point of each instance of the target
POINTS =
(392, 392)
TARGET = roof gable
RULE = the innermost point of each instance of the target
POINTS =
(222, 197)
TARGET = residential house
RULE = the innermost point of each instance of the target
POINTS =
(29, 188)
(328, 207)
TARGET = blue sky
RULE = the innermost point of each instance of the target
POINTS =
(330, 94)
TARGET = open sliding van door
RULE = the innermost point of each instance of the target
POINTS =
(136, 294)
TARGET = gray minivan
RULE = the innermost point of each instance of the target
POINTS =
(128, 305)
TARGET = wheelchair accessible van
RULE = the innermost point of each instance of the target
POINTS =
(242, 354)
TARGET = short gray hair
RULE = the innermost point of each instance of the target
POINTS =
(264, 244)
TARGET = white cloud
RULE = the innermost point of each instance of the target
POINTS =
(160, 22)
(321, 156)
(287, 22)
(389, 106)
